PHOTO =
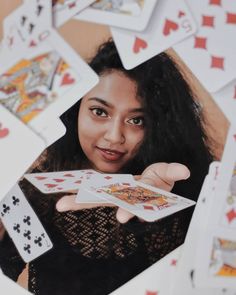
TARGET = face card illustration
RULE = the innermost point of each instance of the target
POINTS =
(140, 199)
(217, 267)
(226, 100)
(131, 14)
(210, 54)
(23, 225)
(45, 84)
(87, 192)
(16, 154)
(170, 23)
(63, 181)
(63, 10)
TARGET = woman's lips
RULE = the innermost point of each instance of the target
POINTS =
(110, 155)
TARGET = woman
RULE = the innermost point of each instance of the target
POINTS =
(129, 121)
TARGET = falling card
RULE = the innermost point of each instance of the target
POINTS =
(45, 83)
(171, 23)
(17, 154)
(133, 15)
(64, 10)
(63, 181)
(210, 54)
(23, 225)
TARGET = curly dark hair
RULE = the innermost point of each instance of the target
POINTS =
(174, 123)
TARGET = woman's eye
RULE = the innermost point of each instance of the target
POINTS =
(99, 112)
(137, 121)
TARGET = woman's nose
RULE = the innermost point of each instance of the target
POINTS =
(114, 132)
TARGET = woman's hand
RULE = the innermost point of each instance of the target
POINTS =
(161, 175)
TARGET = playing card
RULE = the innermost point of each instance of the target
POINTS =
(171, 23)
(10, 287)
(129, 14)
(55, 130)
(226, 100)
(86, 191)
(34, 23)
(210, 54)
(17, 154)
(64, 10)
(224, 210)
(46, 83)
(23, 225)
(63, 181)
(142, 200)
(154, 280)
(216, 267)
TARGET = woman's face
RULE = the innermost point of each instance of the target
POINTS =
(111, 123)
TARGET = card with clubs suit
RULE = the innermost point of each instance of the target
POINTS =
(23, 225)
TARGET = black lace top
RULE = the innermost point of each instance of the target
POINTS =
(93, 253)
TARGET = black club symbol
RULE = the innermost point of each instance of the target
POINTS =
(27, 220)
(38, 241)
(15, 201)
(6, 208)
(27, 234)
(16, 227)
(27, 248)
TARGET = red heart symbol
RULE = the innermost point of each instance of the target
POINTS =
(49, 185)
(67, 79)
(181, 13)
(78, 181)
(58, 180)
(169, 26)
(3, 131)
(139, 44)
(40, 177)
(68, 175)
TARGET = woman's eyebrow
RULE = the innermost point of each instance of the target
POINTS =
(102, 101)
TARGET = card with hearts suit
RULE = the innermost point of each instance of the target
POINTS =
(171, 22)
(45, 82)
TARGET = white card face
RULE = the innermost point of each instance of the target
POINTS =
(64, 10)
(171, 23)
(63, 181)
(140, 199)
(45, 83)
(210, 54)
(226, 100)
(17, 154)
(133, 15)
(86, 197)
(55, 130)
(10, 287)
(23, 225)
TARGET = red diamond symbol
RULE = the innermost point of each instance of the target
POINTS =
(108, 177)
(231, 215)
(151, 293)
(200, 42)
(215, 2)
(217, 62)
(230, 18)
(173, 262)
(208, 21)
(146, 207)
